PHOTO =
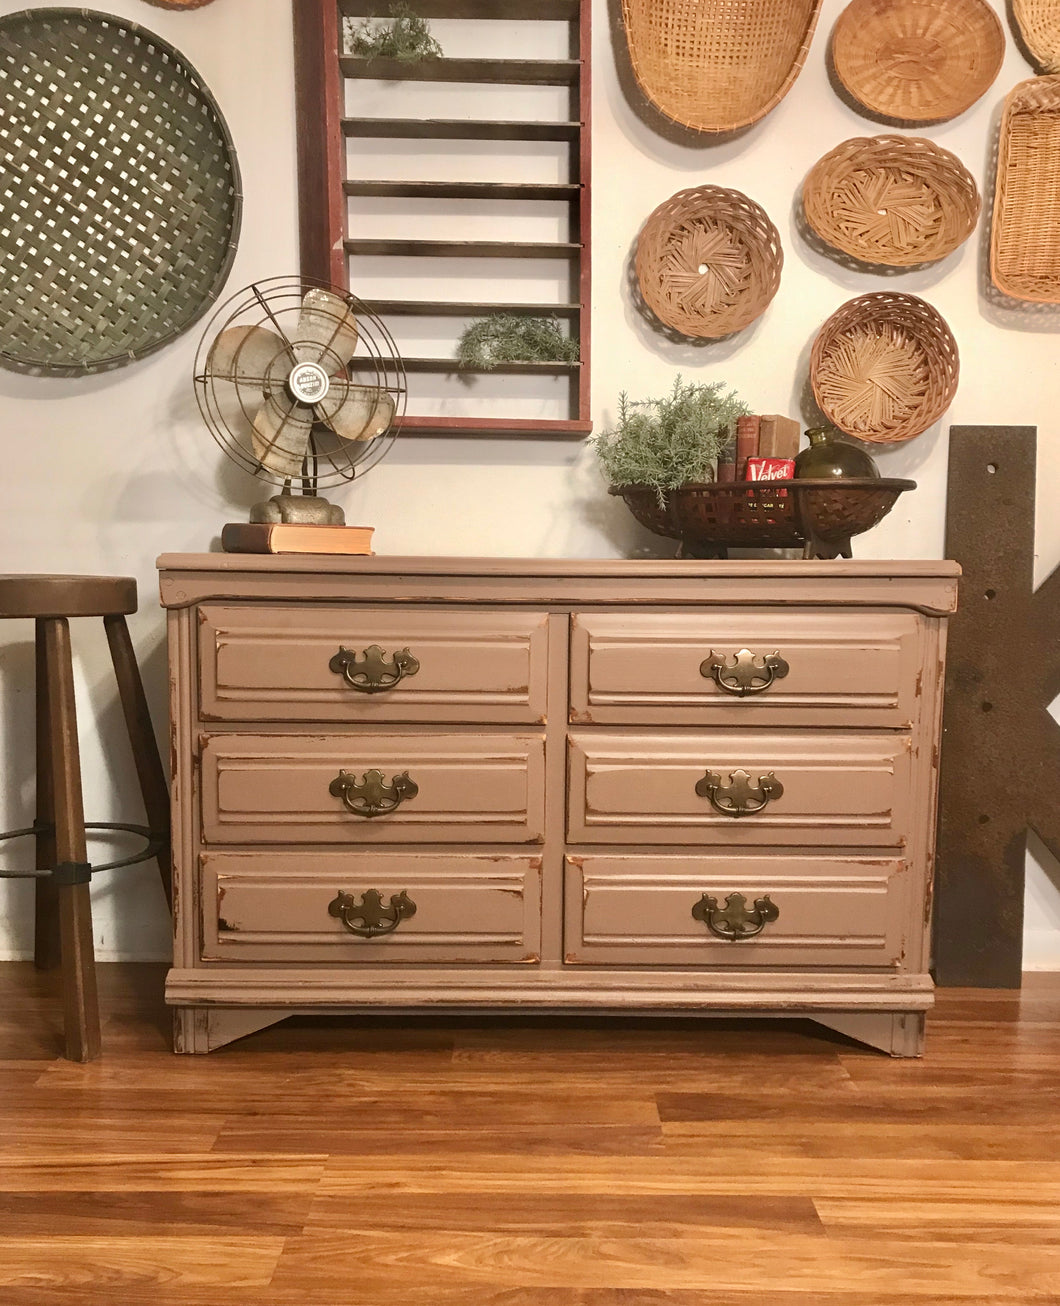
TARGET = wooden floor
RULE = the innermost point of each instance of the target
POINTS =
(627, 1162)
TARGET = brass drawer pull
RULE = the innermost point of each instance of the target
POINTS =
(734, 921)
(747, 673)
(739, 797)
(371, 796)
(369, 917)
(374, 672)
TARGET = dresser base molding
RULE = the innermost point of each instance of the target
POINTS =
(214, 1008)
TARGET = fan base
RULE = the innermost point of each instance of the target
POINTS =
(306, 509)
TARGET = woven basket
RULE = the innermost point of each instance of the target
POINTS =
(1025, 237)
(718, 65)
(884, 367)
(917, 61)
(893, 200)
(820, 515)
(123, 209)
(708, 262)
(1038, 22)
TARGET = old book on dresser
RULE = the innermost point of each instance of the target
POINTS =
(607, 786)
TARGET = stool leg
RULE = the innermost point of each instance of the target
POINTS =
(47, 952)
(80, 1000)
(142, 738)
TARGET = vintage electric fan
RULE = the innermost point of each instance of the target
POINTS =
(301, 385)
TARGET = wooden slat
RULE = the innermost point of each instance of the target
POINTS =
(459, 129)
(487, 190)
(554, 10)
(505, 72)
(1000, 763)
(462, 248)
(453, 308)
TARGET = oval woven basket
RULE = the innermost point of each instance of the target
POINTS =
(884, 367)
(820, 515)
(126, 198)
(1038, 22)
(718, 65)
(708, 262)
(892, 200)
(1025, 235)
(917, 61)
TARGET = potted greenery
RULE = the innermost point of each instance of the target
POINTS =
(508, 338)
(660, 451)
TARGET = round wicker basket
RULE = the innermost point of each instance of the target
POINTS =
(819, 515)
(718, 67)
(917, 61)
(708, 262)
(892, 200)
(884, 367)
(1038, 22)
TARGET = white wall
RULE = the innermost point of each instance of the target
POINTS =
(105, 473)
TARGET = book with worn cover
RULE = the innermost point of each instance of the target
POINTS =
(294, 537)
(746, 442)
(778, 436)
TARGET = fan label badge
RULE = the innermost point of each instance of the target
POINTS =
(308, 383)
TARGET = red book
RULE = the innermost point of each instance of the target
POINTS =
(746, 443)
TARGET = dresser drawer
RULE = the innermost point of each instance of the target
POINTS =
(349, 789)
(285, 663)
(843, 667)
(792, 787)
(830, 911)
(270, 906)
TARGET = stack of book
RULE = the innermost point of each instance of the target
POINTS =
(757, 437)
(295, 537)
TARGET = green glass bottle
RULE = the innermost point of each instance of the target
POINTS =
(829, 457)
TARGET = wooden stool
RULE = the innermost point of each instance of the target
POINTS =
(63, 927)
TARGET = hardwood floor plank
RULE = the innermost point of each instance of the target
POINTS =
(560, 1215)
(209, 1172)
(1030, 1223)
(143, 1213)
(397, 1141)
(760, 1260)
(57, 1262)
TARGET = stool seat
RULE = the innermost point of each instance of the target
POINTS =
(67, 596)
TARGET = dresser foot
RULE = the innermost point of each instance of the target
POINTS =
(202, 1029)
(899, 1033)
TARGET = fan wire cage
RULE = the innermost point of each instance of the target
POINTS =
(884, 367)
(232, 402)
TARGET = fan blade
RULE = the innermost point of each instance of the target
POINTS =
(363, 414)
(244, 353)
(281, 436)
(326, 326)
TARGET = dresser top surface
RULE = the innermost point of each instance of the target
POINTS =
(598, 568)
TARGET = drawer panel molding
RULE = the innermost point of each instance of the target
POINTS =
(354, 664)
(736, 910)
(383, 908)
(745, 667)
(795, 787)
(367, 788)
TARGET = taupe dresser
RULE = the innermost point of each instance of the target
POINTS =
(428, 783)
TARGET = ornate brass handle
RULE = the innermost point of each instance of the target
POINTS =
(371, 796)
(747, 674)
(369, 917)
(374, 672)
(734, 921)
(739, 797)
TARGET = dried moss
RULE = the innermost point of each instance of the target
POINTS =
(508, 338)
(670, 441)
(406, 37)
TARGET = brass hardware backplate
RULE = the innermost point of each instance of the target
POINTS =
(739, 797)
(733, 921)
(369, 918)
(371, 795)
(373, 672)
(746, 674)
